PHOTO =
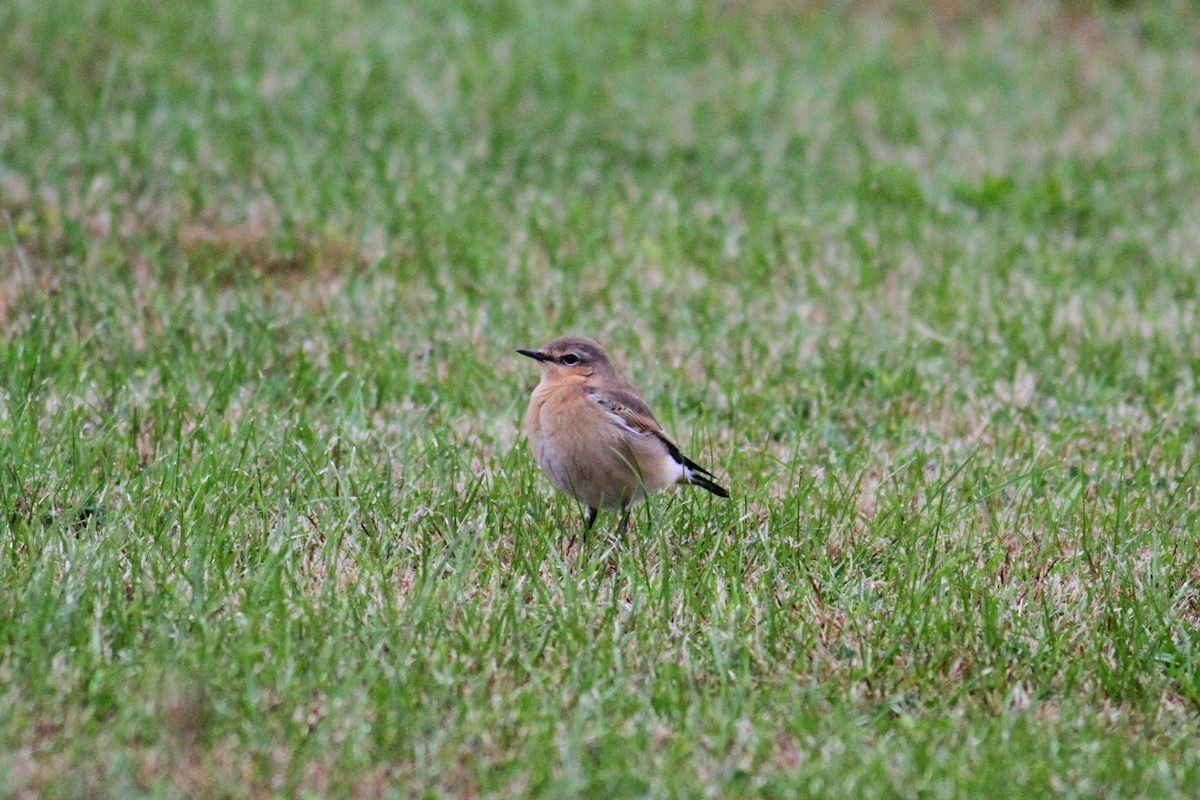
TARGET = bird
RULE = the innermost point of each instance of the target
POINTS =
(594, 436)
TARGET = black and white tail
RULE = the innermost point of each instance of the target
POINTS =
(697, 475)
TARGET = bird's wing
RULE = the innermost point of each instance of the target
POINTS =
(629, 410)
(626, 408)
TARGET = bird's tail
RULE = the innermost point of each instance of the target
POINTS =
(697, 475)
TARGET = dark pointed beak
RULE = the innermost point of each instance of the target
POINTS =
(535, 355)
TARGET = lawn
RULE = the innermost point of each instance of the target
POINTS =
(919, 284)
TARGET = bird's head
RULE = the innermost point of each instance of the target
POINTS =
(571, 356)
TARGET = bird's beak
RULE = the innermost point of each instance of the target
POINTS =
(536, 355)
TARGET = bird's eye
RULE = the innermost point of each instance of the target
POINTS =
(570, 359)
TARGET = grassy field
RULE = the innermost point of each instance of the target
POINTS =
(919, 286)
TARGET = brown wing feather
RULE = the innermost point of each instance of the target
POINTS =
(631, 410)
(626, 404)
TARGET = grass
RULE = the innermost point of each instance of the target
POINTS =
(920, 286)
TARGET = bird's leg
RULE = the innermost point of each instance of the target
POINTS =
(624, 527)
(591, 520)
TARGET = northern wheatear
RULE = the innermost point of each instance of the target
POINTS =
(593, 435)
